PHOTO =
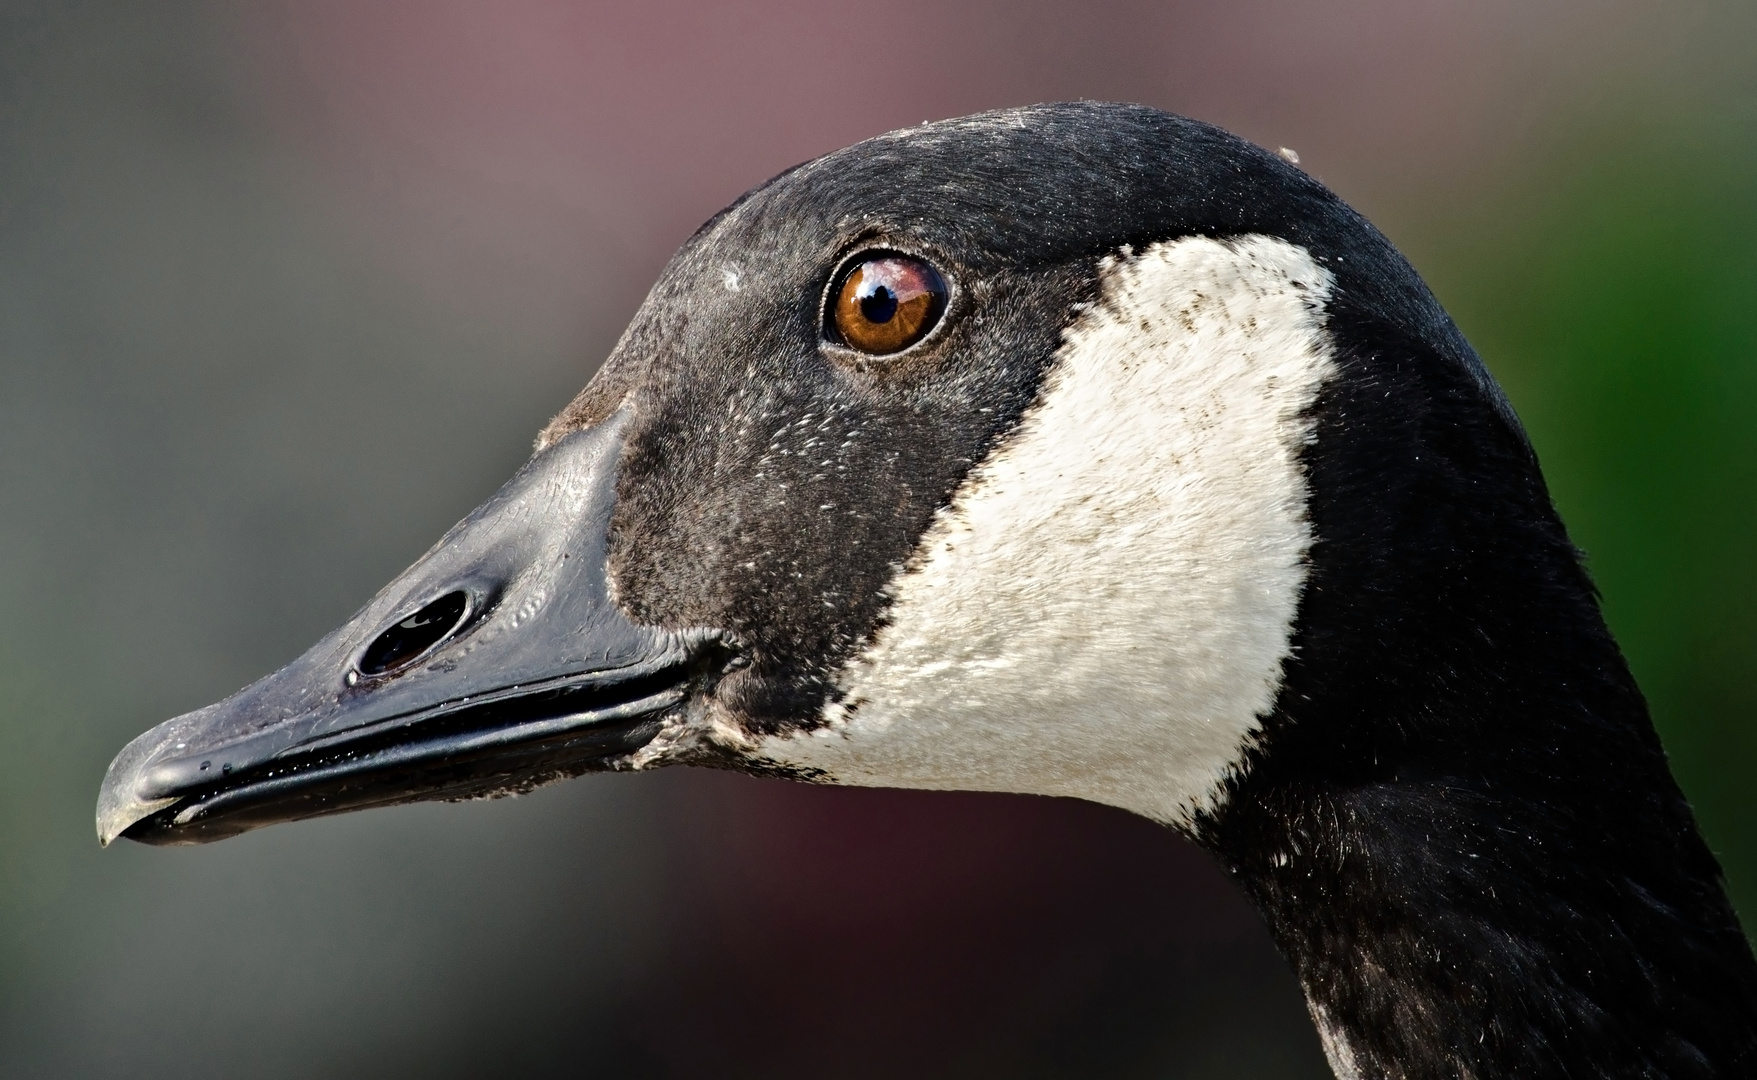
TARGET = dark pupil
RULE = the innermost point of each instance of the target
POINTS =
(414, 635)
(879, 305)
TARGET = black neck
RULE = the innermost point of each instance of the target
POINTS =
(1459, 823)
(1445, 927)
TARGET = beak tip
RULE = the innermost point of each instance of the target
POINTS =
(117, 813)
(120, 800)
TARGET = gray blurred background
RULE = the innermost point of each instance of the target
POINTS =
(287, 288)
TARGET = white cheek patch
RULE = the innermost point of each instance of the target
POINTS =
(1104, 609)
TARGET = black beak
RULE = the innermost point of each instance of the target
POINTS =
(496, 663)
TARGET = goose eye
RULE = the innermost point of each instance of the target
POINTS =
(886, 303)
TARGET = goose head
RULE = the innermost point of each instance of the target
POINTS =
(1077, 450)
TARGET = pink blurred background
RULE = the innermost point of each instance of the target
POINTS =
(541, 159)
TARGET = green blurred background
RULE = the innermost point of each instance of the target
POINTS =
(285, 289)
(1612, 286)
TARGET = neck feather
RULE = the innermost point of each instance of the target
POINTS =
(1458, 821)
(1441, 928)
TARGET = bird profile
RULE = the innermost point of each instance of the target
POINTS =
(1079, 450)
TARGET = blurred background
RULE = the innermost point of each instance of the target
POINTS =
(287, 288)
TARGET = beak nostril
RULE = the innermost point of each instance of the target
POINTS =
(415, 635)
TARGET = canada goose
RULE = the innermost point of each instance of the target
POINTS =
(1076, 450)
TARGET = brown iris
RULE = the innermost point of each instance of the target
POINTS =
(887, 303)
